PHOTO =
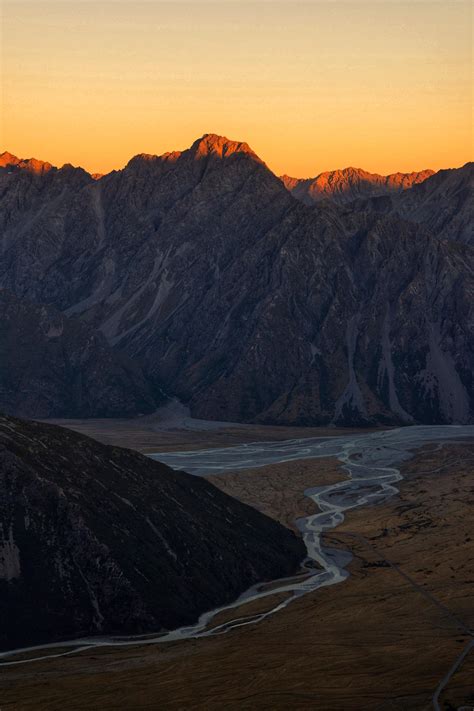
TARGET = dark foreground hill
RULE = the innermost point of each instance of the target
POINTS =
(97, 539)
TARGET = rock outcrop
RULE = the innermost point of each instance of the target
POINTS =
(97, 539)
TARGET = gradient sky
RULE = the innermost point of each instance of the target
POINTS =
(310, 85)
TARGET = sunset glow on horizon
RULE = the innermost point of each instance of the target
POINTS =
(311, 86)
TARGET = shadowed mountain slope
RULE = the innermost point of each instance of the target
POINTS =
(54, 366)
(97, 539)
(444, 203)
(247, 303)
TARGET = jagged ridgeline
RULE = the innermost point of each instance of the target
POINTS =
(236, 297)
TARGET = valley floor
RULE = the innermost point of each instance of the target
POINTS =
(159, 433)
(386, 638)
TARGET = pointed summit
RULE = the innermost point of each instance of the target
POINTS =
(32, 165)
(209, 145)
(220, 147)
(37, 166)
(7, 158)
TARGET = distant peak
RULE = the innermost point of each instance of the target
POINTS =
(36, 166)
(219, 146)
(7, 158)
(349, 183)
(32, 165)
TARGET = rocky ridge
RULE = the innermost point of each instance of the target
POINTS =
(344, 186)
(444, 204)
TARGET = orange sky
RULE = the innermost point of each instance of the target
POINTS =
(311, 85)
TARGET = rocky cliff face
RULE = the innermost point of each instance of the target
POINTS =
(444, 204)
(250, 305)
(344, 186)
(29, 187)
(97, 539)
(54, 366)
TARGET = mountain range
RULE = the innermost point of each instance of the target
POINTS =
(232, 290)
(343, 186)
